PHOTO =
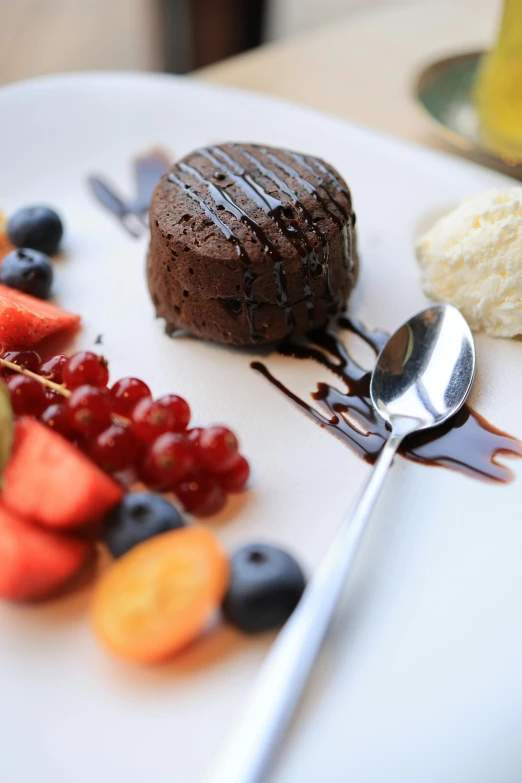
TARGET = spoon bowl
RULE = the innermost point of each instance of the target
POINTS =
(425, 371)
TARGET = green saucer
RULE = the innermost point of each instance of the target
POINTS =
(444, 92)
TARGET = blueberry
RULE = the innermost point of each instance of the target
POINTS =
(265, 586)
(28, 271)
(37, 227)
(140, 516)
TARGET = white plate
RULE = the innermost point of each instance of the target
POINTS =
(421, 679)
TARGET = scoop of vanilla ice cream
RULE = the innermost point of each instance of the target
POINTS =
(473, 259)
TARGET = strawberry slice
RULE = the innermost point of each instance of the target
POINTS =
(50, 481)
(34, 562)
(25, 320)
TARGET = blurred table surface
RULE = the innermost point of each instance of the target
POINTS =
(364, 68)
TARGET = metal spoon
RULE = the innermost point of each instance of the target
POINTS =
(422, 377)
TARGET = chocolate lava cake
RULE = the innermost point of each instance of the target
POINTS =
(250, 244)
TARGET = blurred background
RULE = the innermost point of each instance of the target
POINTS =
(44, 36)
(380, 63)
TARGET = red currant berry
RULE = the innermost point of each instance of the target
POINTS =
(28, 359)
(201, 495)
(53, 397)
(53, 368)
(89, 410)
(27, 395)
(57, 418)
(85, 369)
(115, 448)
(179, 410)
(126, 393)
(193, 435)
(217, 449)
(147, 477)
(236, 477)
(170, 458)
(150, 420)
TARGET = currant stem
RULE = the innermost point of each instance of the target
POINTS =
(57, 387)
(60, 388)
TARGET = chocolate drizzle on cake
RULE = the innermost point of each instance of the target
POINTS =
(466, 443)
(293, 262)
(315, 266)
(228, 169)
(273, 208)
(222, 200)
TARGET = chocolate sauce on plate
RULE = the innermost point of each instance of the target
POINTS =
(466, 443)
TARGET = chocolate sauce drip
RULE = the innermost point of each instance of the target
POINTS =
(312, 263)
(466, 443)
(316, 163)
(267, 203)
(275, 209)
(227, 232)
(221, 198)
(326, 204)
(133, 213)
(315, 168)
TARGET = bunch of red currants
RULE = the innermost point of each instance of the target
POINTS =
(125, 431)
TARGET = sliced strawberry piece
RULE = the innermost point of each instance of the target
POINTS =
(25, 320)
(34, 562)
(50, 481)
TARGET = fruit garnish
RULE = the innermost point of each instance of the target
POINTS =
(193, 434)
(265, 586)
(161, 595)
(36, 562)
(201, 494)
(235, 478)
(115, 448)
(89, 410)
(50, 481)
(85, 369)
(170, 459)
(52, 368)
(69, 444)
(37, 227)
(56, 416)
(150, 420)
(217, 449)
(124, 429)
(27, 395)
(25, 320)
(139, 516)
(30, 360)
(52, 397)
(126, 393)
(179, 410)
(29, 271)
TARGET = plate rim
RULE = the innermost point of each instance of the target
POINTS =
(127, 77)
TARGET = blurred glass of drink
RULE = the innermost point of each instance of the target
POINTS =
(498, 92)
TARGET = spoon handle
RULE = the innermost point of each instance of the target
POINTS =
(288, 665)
